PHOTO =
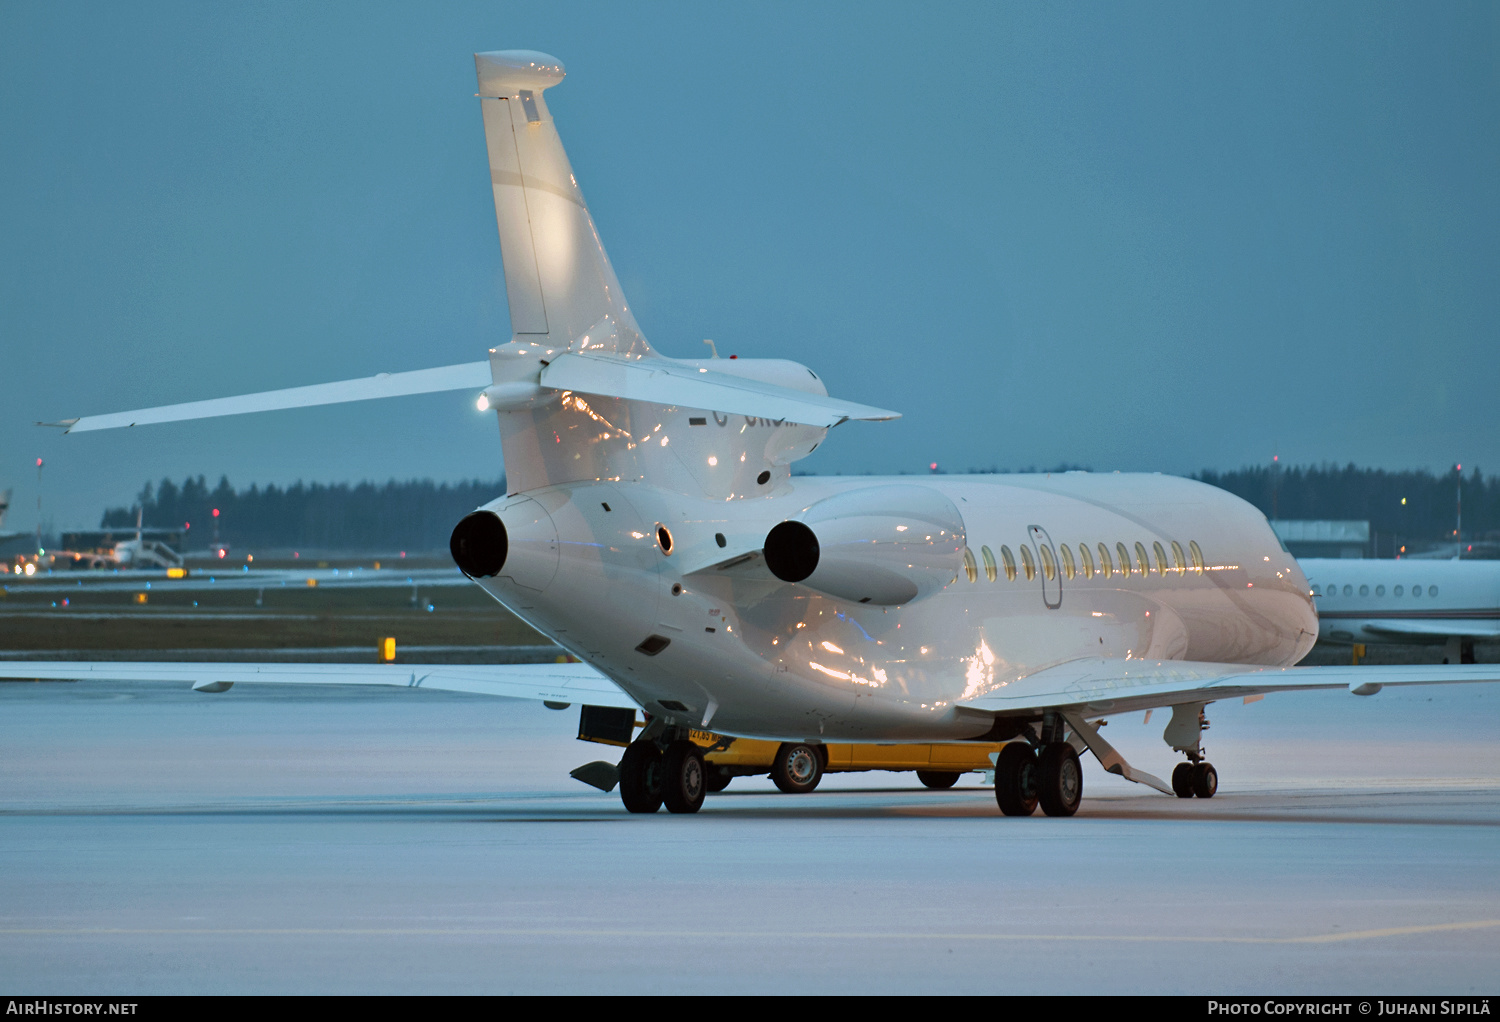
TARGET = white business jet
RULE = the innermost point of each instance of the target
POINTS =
(1408, 601)
(655, 531)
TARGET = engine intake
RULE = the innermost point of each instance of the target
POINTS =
(885, 545)
(479, 544)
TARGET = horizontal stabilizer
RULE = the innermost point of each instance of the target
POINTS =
(468, 376)
(662, 382)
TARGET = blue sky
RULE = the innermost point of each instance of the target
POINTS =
(1144, 236)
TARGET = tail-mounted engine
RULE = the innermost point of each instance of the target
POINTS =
(885, 545)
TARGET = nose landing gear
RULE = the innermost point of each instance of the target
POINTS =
(1184, 734)
(1200, 779)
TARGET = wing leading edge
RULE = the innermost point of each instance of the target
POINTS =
(1097, 686)
(551, 683)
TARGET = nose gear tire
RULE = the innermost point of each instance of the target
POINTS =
(1205, 780)
(1182, 780)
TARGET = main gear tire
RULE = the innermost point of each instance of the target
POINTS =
(717, 779)
(641, 777)
(684, 779)
(1059, 780)
(797, 768)
(1015, 779)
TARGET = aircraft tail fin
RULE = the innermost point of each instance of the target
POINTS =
(558, 279)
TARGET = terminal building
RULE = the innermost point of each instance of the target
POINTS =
(1313, 538)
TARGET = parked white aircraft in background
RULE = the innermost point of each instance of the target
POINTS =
(1422, 602)
(4, 510)
(656, 532)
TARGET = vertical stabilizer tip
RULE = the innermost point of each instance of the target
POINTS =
(507, 72)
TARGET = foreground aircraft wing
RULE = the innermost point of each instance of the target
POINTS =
(1436, 628)
(468, 376)
(551, 683)
(661, 382)
(1098, 686)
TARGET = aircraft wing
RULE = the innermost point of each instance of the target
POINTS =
(1098, 686)
(552, 683)
(1438, 628)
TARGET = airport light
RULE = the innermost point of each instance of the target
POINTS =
(388, 649)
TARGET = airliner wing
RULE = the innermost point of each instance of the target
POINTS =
(552, 683)
(1098, 686)
(1437, 628)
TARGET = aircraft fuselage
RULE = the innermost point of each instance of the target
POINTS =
(1206, 580)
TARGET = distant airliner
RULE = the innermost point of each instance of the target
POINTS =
(655, 531)
(1433, 603)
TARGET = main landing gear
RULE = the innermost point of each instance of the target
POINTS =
(1048, 775)
(673, 775)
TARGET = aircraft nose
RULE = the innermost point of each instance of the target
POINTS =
(517, 542)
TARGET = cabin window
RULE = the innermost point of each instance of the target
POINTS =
(1432, 590)
(1124, 559)
(1177, 562)
(1380, 590)
(1364, 590)
(1067, 560)
(1197, 555)
(989, 563)
(1049, 564)
(1315, 591)
(1009, 562)
(1348, 590)
(1416, 590)
(1140, 560)
(1086, 560)
(1161, 559)
(1106, 568)
(970, 568)
(1027, 564)
(1398, 591)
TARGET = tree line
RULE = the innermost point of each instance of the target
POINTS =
(420, 514)
(416, 514)
(1413, 506)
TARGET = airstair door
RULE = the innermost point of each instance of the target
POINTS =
(1050, 567)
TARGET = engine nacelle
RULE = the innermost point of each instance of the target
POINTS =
(885, 545)
(511, 538)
